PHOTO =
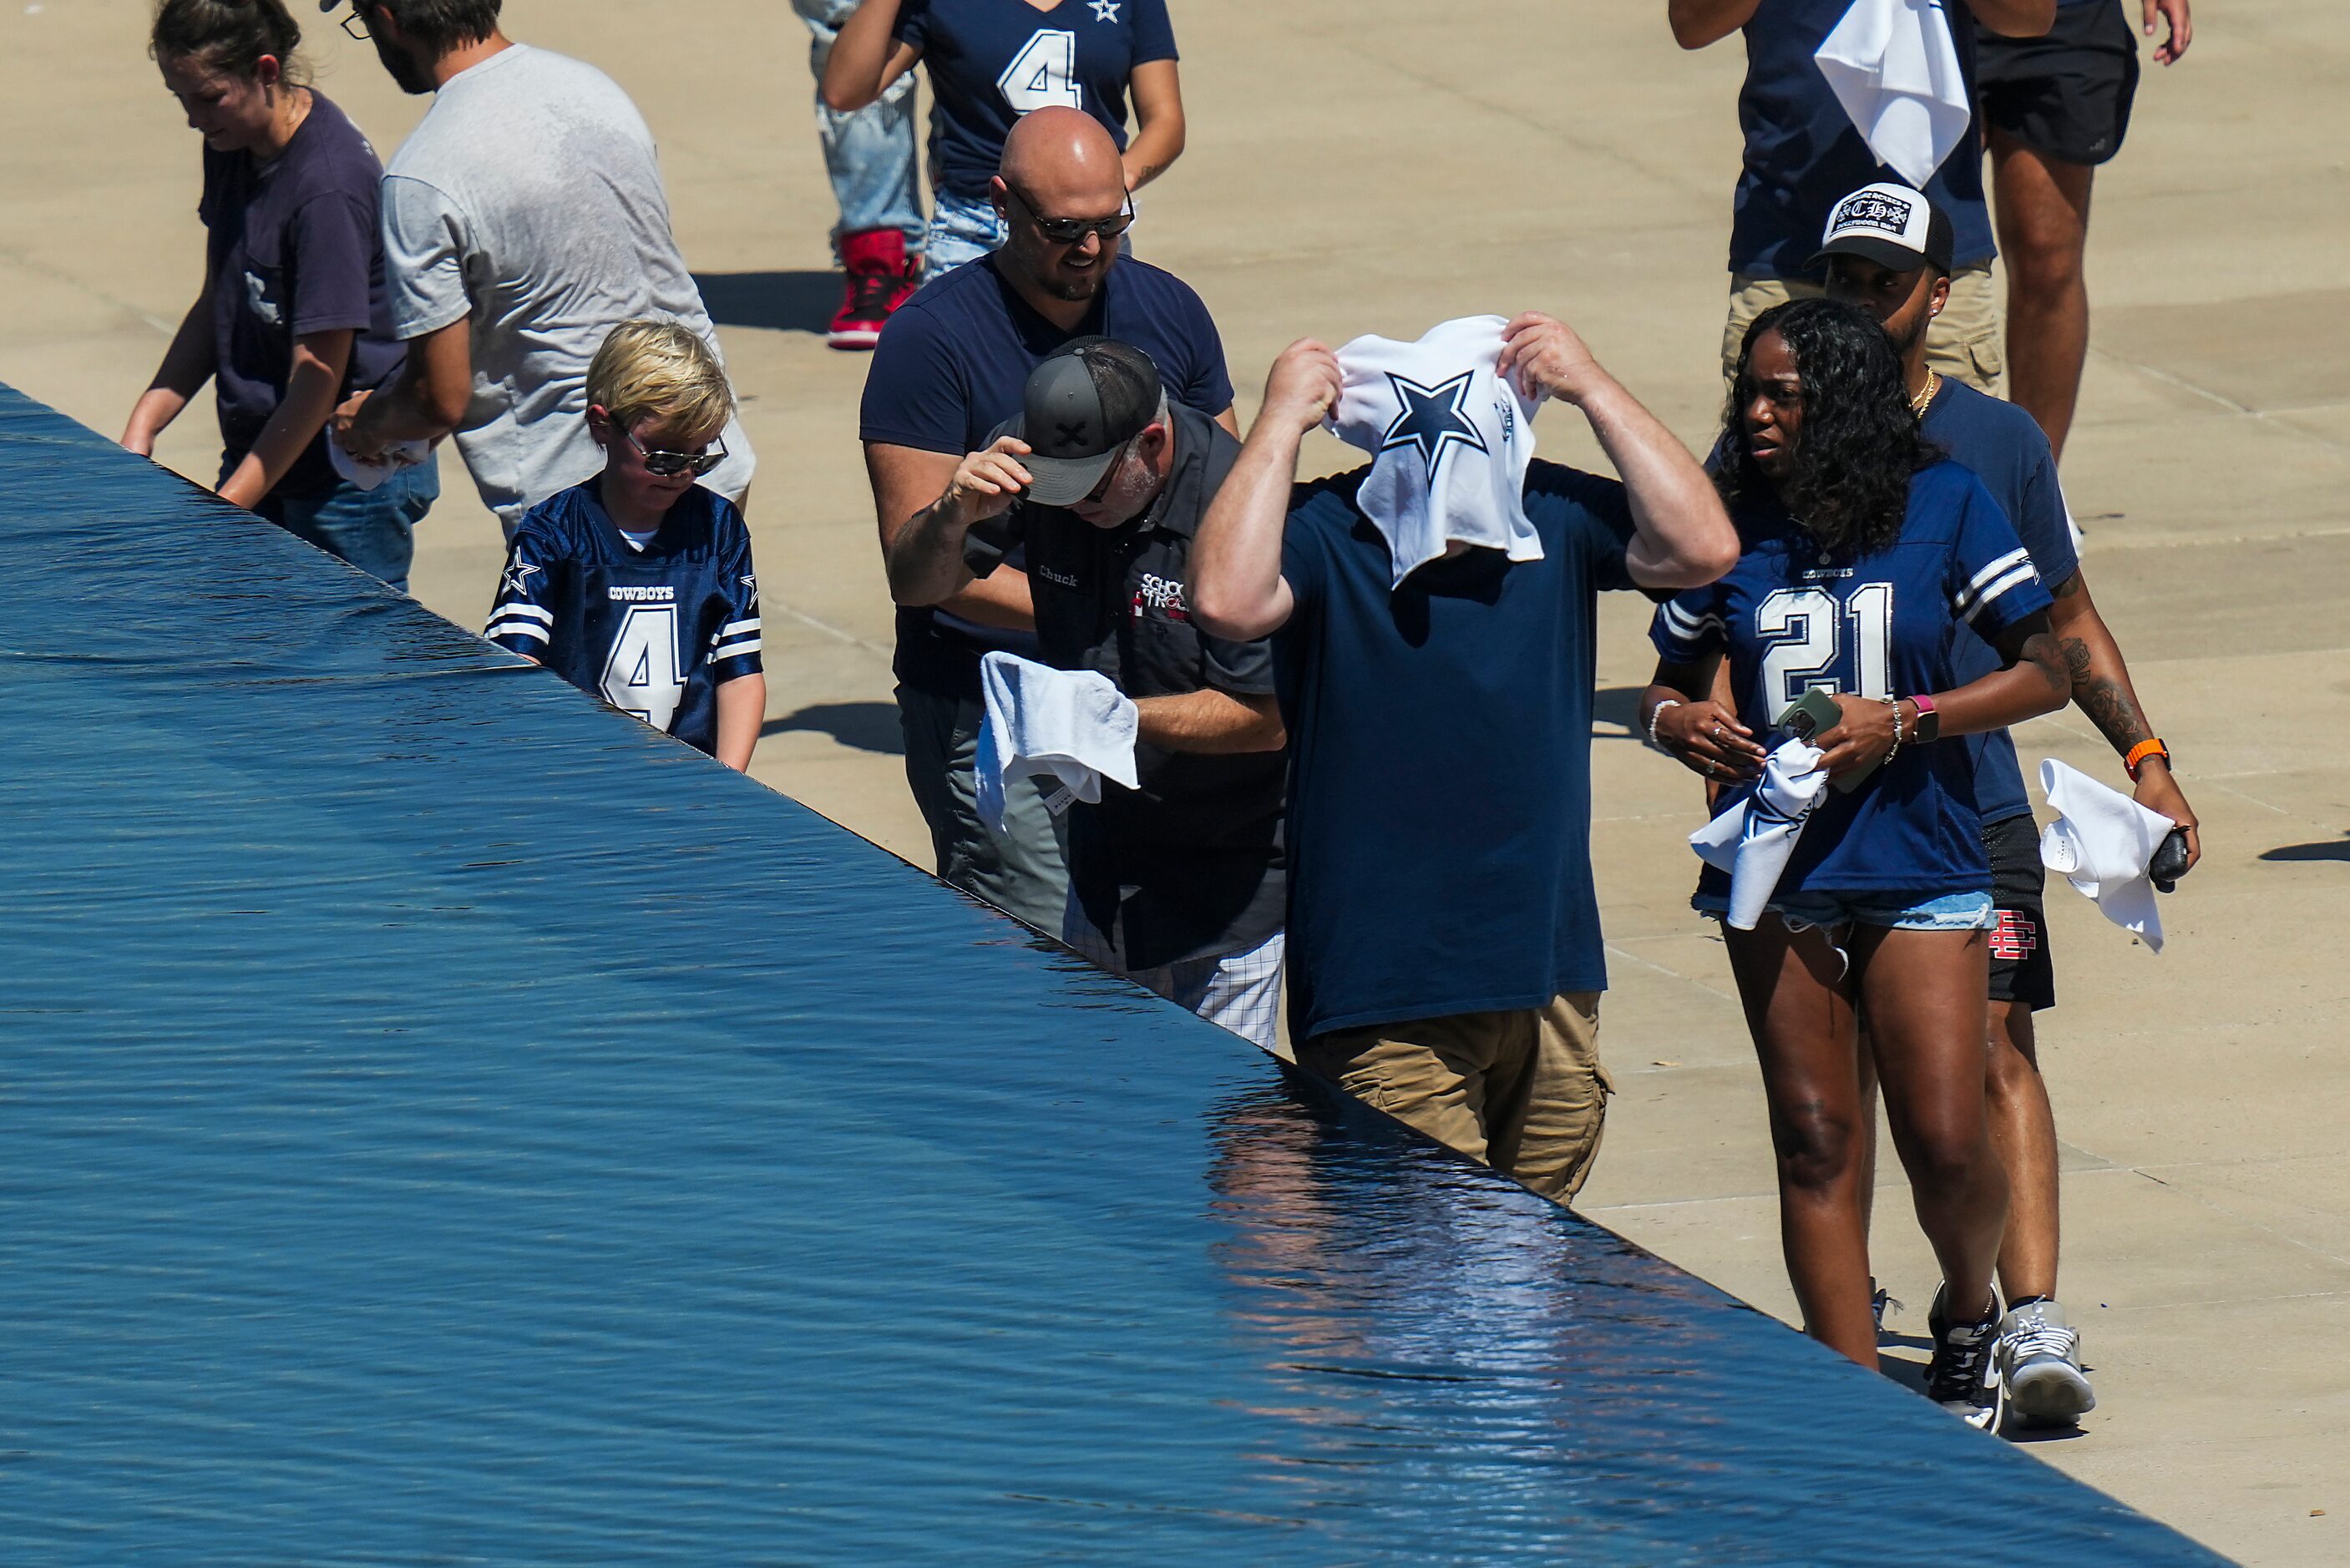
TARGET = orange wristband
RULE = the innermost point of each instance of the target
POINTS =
(2139, 753)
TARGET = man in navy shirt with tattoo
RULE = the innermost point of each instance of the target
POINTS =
(1887, 252)
(950, 369)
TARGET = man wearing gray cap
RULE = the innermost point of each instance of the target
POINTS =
(1177, 883)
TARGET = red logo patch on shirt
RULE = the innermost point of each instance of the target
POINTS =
(2015, 936)
(1161, 594)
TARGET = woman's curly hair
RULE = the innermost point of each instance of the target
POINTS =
(1849, 486)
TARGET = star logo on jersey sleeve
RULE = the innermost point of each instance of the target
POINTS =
(516, 580)
(1104, 10)
(1431, 418)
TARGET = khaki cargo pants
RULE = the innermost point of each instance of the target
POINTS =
(1963, 342)
(1521, 1091)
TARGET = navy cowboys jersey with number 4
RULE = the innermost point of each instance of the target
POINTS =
(1789, 618)
(654, 632)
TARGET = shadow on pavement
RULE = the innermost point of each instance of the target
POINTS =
(776, 301)
(2322, 851)
(867, 726)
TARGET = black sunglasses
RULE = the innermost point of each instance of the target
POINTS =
(1072, 231)
(668, 464)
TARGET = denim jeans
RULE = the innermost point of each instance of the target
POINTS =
(869, 154)
(962, 229)
(374, 530)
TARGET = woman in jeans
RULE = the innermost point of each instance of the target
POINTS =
(291, 317)
(991, 61)
(1863, 549)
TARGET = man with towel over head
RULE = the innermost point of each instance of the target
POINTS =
(1432, 616)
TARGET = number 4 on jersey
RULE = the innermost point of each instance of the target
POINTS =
(1043, 75)
(641, 675)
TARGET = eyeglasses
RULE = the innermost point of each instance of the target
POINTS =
(668, 464)
(355, 26)
(1072, 231)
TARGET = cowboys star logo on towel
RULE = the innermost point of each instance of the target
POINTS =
(1450, 439)
(1431, 418)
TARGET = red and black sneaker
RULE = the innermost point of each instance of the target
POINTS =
(879, 281)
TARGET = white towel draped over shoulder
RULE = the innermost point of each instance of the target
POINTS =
(1754, 838)
(2102, 842)
(1449, 440)
(1073, 725)
(1893, 66)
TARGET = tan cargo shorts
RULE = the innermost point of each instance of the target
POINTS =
(1521, 1091)
(1964, 341)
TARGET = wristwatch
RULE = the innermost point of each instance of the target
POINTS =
(2138, 754)
(1929, 719)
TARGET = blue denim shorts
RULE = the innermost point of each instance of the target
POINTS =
(1893, 911)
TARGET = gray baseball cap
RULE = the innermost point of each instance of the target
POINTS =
(1082, 404)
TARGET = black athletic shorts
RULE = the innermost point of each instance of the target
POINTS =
(2066, 95)
(2020, 970)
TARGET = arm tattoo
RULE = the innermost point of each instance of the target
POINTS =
(2106, 700)
(2039, 651)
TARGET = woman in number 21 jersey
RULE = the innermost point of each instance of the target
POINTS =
(1864, 549)
(991, 61)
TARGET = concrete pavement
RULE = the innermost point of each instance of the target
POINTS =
(1366, 165)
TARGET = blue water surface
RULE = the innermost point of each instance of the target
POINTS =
(442, 1121)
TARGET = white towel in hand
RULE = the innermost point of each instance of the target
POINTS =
(1449, 440)
(1752, 839)
(1892, 65)
(400, 454)
(1074, 725)
(2102, 842)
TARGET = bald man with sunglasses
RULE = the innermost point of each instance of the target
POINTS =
(950, 369)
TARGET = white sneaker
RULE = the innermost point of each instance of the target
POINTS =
(2039, 1359)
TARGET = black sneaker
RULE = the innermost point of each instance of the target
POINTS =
(1880, 1303)
(1963, 1377)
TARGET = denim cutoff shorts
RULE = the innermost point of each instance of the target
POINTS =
(1895, 911)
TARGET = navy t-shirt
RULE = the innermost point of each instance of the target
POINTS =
(1439, 799)
(652, 631)
(1803, 154)
(2008, 452)
(294, 249)
(1790, 617)
(951, 367)
(991, 61)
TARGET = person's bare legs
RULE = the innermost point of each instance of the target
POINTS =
(1801, 1023)
(1923, 993)
(2023, 1131)
(2043, 217)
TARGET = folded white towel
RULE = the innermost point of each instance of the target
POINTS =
(368, 475)
(1893, 66)
(1449, 440)
(2102, 842)
(1074, 725)
(1754, 838)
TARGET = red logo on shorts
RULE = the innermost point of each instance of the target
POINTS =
(2014, 937)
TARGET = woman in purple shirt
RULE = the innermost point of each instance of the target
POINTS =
(292, 318)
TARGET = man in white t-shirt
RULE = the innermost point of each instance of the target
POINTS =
(523, 220)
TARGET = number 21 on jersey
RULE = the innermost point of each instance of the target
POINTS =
(1804, 636)
(1044, 74)
(641, 674)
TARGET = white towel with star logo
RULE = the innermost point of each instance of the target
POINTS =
(1072, 726)
(1449, 440)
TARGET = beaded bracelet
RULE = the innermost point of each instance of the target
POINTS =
(1893, 703)
(1658, 713)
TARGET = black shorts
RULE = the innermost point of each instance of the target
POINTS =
(2020, 970)
(2067, 95)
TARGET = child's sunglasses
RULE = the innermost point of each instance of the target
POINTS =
(668, 464)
